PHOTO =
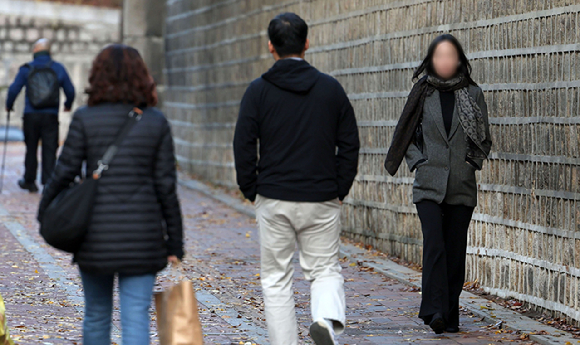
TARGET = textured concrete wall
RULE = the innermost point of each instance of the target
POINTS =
(100, 3)
(77, 32)
(143, 25)
(525, 238)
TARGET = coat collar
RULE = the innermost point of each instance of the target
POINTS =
(454, 122)
(433, 104)
(43, 55)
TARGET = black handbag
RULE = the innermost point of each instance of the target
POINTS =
(66, 219)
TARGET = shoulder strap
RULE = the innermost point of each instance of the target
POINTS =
(133, 117)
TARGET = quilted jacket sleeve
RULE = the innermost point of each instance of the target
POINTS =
(165, 185)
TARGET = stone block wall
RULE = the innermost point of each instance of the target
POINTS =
(77, 33)
(101, 3)
(143, 27)
(525, 238)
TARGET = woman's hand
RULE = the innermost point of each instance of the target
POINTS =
(172, 259)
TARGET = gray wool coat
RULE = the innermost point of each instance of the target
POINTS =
(442, 171)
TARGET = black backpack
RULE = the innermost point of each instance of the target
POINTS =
(43, 88)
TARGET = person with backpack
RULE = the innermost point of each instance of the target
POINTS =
(43, 79)
(308, 157)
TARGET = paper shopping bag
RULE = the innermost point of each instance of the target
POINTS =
(177, 316)
(4, 335)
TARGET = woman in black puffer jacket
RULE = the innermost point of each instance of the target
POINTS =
(136, 227)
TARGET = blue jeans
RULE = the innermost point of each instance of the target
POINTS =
(135, 292)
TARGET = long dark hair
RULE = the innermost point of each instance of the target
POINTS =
(427, 64)
(119, 74)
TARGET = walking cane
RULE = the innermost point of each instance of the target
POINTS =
(5, 149)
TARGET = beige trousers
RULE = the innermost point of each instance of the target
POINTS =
(315, 227)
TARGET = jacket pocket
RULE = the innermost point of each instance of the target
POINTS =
(423, 162)
(471, 165)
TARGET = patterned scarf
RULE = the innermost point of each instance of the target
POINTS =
(470, 117)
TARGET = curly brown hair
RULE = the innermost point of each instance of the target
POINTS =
(119, 75)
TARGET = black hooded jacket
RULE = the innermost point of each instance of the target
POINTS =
(307, 134)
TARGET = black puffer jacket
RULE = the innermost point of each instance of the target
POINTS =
(136, 219)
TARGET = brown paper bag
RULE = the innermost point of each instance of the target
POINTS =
(177, 316)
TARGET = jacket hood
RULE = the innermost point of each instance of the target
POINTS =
(292, 75)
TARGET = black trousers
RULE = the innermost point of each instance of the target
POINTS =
(40, 127)
(444, 250)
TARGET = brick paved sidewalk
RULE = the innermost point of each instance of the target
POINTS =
(44, 299)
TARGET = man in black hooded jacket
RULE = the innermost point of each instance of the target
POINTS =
(308, 158)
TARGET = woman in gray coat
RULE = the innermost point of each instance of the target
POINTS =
(444, 135)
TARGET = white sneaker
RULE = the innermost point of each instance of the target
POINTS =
(322, 333)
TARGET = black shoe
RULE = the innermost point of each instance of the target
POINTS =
(31, 187)
(321, 334)
(437, 324)
(452, 329)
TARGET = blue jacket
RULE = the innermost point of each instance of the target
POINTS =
(21, 80)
